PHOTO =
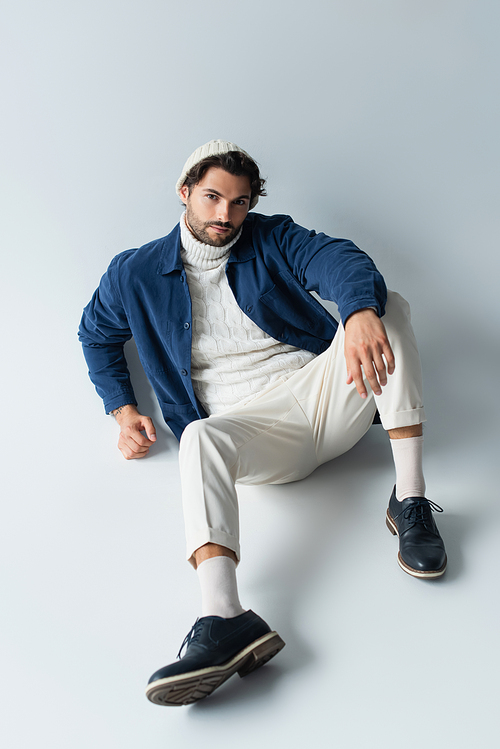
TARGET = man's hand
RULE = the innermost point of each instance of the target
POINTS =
(132, 443)
(365, 344)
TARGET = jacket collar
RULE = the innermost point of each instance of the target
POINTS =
(170, 252)
(243, 250)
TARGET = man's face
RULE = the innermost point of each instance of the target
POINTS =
(217, 206)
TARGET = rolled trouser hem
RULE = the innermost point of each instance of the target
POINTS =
(403, 418)
(211, 536)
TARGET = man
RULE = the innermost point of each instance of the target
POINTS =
(226, 329)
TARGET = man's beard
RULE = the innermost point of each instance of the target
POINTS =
(199, 229)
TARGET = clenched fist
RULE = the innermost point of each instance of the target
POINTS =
(132, 443)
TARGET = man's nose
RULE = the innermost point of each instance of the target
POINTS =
(223, 211)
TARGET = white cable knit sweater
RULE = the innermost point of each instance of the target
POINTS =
(232, 359)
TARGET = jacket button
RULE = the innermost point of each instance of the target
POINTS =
(182, 279)
(186, 326)
(184, 372)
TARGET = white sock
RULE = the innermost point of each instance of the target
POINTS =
(219, 589)
(407, 454)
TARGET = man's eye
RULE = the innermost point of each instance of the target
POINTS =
(212, 196)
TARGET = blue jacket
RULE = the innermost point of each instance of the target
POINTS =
(271, 269)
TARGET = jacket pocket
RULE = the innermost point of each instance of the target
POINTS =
(177, 412)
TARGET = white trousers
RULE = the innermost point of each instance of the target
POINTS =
(290, 429)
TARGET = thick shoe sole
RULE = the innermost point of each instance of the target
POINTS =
(184, 689)
(426, 574)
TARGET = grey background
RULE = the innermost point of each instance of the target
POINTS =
(374, 120)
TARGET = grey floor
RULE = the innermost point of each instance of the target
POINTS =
(96, 595)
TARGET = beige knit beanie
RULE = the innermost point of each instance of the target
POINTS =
(212, 148)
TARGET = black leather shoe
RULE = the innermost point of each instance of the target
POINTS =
(215, 649)
(421, 548)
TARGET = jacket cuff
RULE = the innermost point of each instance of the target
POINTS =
(125, 398)
(359, 304)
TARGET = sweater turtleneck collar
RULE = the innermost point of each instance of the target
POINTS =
(201, 255)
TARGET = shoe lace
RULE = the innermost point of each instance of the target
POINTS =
(192, 636)
(417, 512)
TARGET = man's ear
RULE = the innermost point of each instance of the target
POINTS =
(184, 193)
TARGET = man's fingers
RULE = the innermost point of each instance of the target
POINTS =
(132, 443)
(389, 357)
(372, 379)
(129, 455)
(149, 428)
(130, 449)
(374, 372)
(356, 376)
(381, 371)
(133, 434)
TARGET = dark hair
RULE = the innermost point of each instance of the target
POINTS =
(234, 162)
